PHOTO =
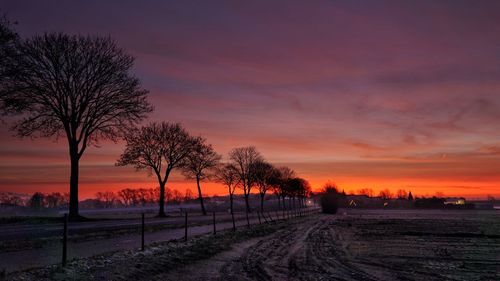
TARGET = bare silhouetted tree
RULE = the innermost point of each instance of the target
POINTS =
(107, 197)
(228, 175)
(285, 175)
(188, 195)
(159, 148)
(127, 196)
(200, 162)
(73, 86)
(385, 194)
(8, 39)
(303, 191)
(53, 199)
(295, 188)
(401, 194)
(366, 191)
(37, 201)
(266, 177)
(7, 33)
(244, 159)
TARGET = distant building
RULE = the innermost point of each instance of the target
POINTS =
(356, 200)
(455, 201)
(352, 203)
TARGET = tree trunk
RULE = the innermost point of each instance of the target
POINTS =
(162, 183)
(161, 201)
(284, 206)
(231, 203)
(262, 202)
(279, 203)
(246, 202)
(74, 214)
(200, 196)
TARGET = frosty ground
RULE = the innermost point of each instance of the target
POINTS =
(352, 245)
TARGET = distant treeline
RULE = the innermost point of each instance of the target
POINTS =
(127, 197)
(140, 197)
(37, 200)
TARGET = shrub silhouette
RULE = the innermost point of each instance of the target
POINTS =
(329, 199)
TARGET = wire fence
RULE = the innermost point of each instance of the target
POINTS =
(194, 226)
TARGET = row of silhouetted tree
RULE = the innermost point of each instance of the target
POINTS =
(162, 147)
(80, 88)
(247, 170)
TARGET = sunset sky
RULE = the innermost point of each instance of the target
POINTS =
(378, 94)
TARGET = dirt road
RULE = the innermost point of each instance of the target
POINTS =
(301, 252)
(352, 247)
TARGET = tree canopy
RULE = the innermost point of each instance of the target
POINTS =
(72, 86)
(159, 148)
(244, 159)
(200, 163)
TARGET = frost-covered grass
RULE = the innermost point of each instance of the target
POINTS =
(157, 258)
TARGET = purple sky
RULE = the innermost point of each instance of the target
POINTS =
(398, 94)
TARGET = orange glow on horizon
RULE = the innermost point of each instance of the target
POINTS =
(422, 188)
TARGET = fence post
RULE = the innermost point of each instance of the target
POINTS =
(270, 218)
(258, 214)
(142, 232)
(65, 241)
(215, 231)
(248, 221)
(264, 217)
(186, 226)
(234, 224)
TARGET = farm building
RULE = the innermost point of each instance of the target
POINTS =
(455, 201)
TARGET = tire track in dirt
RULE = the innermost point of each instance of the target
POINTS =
(302, 252)
(266, 259)
(325, 258)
